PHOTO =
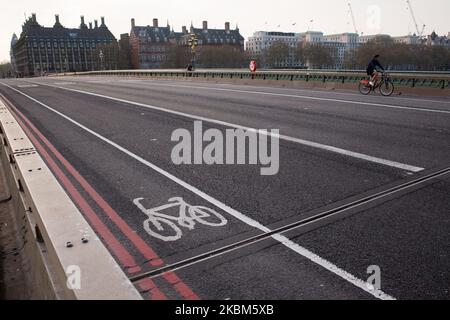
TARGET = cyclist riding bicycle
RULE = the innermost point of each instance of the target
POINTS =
(372, 70)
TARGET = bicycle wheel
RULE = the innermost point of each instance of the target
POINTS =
(207, 216)
(387, 88)
(364, 88)
(162, 229)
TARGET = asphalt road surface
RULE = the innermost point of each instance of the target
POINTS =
(360, 207)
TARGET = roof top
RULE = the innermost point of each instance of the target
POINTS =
(211, 34)
(32, 28)
(14, 39)
(341, 34)
(164, 34)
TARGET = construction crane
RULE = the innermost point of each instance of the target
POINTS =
(419, 32)
(353, 17)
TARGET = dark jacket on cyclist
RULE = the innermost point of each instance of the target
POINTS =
(373, 65)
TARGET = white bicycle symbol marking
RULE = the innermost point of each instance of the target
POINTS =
(188, 216)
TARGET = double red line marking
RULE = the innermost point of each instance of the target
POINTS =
(122, 254)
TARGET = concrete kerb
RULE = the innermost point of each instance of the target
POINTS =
(50, 220)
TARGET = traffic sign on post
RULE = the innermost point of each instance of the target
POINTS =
(253, 66)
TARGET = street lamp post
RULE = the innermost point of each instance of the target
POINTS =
(193, 42)
(102, 56)
(66, 66)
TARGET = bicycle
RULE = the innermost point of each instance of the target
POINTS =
(385, 85)
(188, 215)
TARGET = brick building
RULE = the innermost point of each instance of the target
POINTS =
(124, 62)
(42, 49)
(151, 45)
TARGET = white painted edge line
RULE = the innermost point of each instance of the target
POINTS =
(286, 89)
(238, 215)
(161, 82)
(344, 152)
(305, 97)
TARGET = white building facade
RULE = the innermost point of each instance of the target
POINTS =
(263, 40)
(344, 44)
(409, 39)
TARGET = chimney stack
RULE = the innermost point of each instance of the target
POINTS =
(103, 21)
(227, 26)
(205, 25)
(184, 30)
(83, 24)
(96, 24)
(133, 23)
(33, 17)
(155, 23)
(90, 25)
(57, 18)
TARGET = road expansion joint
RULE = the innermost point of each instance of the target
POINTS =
(318, 220)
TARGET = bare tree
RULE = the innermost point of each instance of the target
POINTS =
(222, 57)
(106, 56)
(300, 53)
(277, 55)
(177, 57)
(319, 55)
(398, 56)
(6, 70)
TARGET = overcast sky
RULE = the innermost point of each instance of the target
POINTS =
(329, 16)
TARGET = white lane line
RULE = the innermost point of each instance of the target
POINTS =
(27, 86)
(304, 97)
(159, 82)
(255, 87)
(403, 98)
(356, 95)
(99, 81)
(64, 83)
(238, 215)
(344, 152)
